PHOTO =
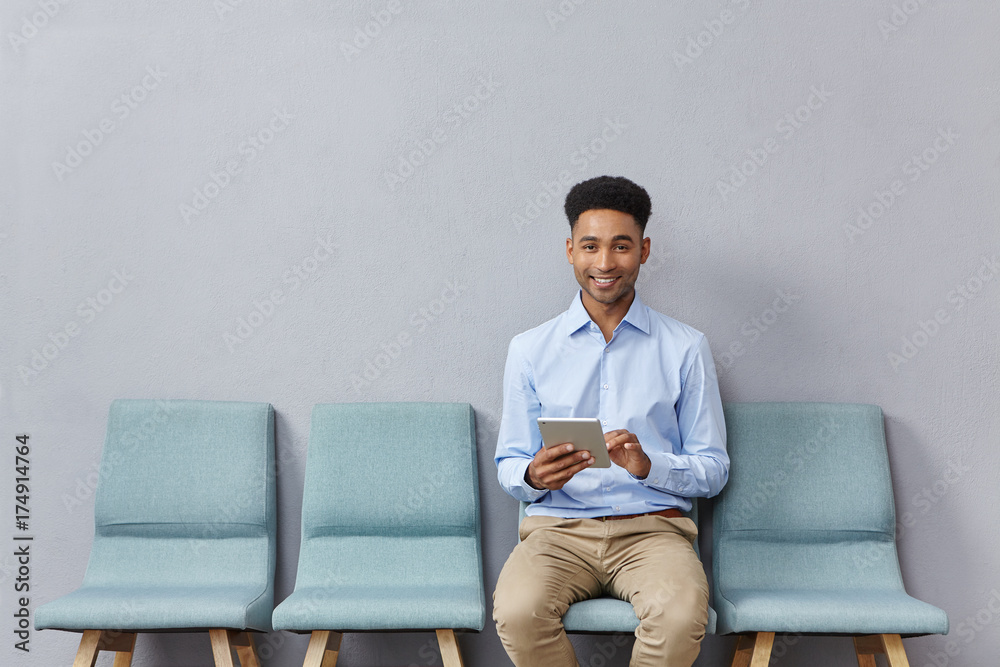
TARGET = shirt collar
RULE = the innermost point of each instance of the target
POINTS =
(578, 317)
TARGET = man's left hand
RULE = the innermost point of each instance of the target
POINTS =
(625, 451)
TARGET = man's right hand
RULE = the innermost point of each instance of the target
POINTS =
(552, 467)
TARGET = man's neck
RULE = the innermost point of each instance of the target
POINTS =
(607, 316)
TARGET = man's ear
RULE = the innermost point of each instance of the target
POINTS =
(645, 251)
(569, 250)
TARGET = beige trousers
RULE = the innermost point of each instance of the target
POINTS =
(648, 561)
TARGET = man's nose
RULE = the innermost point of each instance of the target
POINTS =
(605, 260)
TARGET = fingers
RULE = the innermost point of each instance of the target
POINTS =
(568, 462)
(557, 465)
(549, 454)
(624, 450)
(620, 438)
(611, 435)
(562, 475)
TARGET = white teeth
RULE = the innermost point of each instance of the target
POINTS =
(605, 281)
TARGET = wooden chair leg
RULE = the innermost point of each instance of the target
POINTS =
(894, 652)
(86, 655)
(753, 650)
(95, 641)
(324, 645)
(866, 648)
(124, 647)
(245, 649)
(891, 646)
(450, 655)
(222, 650)
(330, 659)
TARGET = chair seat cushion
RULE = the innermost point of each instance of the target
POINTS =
(607, 614)
(389, 607)
(156, 608)
(852, 612)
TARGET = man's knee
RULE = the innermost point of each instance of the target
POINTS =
(521, 609)
(673, 612)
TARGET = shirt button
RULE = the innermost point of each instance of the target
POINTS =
(605, 422)
(617, 508)
(607, 488)
(605, 350)
(605, 386)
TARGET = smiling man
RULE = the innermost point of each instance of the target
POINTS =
(616, 531)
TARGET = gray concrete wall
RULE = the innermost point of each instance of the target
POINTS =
(397, 185)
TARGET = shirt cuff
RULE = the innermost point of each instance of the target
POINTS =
(531, 493)
(659, 474)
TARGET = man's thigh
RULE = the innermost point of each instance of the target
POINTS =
(653, 565)
(553, 566)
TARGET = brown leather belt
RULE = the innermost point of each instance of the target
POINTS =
(672, 513)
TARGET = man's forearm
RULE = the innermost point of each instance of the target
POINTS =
(512, 473)
(691, 476)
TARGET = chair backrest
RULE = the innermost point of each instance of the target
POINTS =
(809, 500)
(390, 486)
(176, 477)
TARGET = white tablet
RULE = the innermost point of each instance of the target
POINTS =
(583, 433)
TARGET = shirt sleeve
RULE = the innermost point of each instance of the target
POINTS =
(519, 439)
(702, 467)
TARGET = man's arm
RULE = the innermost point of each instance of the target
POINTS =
(517, 443)
(702, 467)
(526, 470)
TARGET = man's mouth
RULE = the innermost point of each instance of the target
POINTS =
(604, 282)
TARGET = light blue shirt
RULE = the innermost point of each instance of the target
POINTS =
(655, 378)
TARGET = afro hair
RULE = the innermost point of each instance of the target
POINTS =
(612, 192)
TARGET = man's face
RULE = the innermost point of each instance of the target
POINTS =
(606, 250)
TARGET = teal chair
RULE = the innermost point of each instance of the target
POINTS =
(608, 614)
(184, 535)
(390, 527)
(804, 533)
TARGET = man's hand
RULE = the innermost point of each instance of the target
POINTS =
(552, 467)
(625, 451)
